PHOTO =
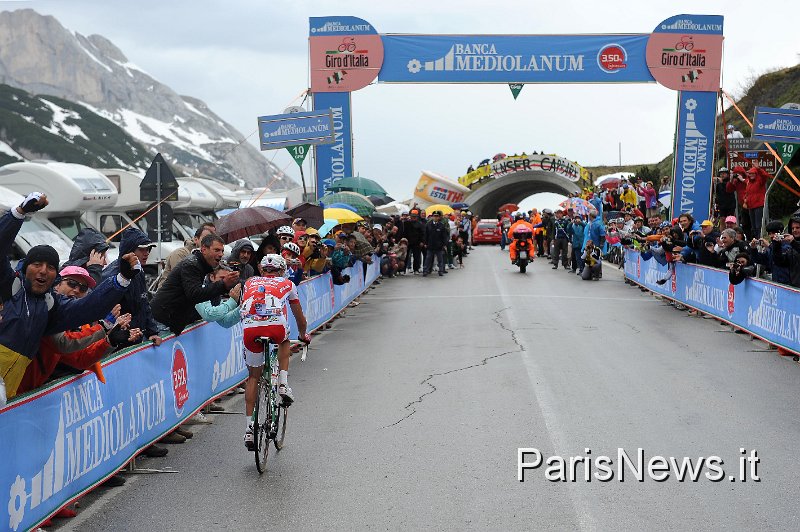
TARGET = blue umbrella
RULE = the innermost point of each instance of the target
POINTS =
(461, 205)
(341, 206)
(327, 226)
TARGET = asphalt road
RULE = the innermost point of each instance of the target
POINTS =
(410, 412)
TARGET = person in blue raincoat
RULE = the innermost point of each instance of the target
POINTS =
(575, 231)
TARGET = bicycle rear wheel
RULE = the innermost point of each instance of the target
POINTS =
(280, 423)
(262, 426)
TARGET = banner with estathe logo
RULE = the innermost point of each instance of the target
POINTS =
(684, 52)
(433, 188)
(334, 161)
(63, 440)
(345, 53)
(694, 154)
(281, 131)
(767, 310)
(514, 59)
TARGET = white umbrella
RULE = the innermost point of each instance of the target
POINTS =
(619, 176)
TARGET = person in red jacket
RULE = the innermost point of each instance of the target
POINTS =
(755, 192)
(738, 184)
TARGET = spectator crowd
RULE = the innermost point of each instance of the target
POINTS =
(599, 224)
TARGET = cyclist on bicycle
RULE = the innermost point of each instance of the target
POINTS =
(264, 314)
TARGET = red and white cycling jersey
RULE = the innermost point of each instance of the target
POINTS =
(264, 314)
(264, 299)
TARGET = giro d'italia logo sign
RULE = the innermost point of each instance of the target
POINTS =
(612, 58)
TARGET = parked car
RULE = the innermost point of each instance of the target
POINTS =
(486, 232)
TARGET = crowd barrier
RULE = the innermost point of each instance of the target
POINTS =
(764, 309)
(63, 440)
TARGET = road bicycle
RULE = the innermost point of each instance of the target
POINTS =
(269, 414)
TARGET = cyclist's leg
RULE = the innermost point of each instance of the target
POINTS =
(284, 351)
(251, 389)
(254, 358)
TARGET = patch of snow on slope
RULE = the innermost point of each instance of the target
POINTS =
(59, 116)
(194, 109)
(8, 150)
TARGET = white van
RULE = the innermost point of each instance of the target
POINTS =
(128, 208)
(37, 230)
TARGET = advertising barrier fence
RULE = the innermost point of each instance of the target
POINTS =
(767, 310)
(61, 441)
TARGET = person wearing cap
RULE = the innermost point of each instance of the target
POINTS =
(135, 301)
(29, 309)
(730, 222)
(174, 303)
(242, 252)
(89, 252)
(436, 238)
(299, 224)
(560, 239)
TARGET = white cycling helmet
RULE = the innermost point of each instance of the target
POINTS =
(285, 230)
(291, 246)
(273, 262)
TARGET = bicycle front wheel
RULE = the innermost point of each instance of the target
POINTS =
(261, 428)
(280, 423)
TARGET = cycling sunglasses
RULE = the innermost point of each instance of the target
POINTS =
(73, 284)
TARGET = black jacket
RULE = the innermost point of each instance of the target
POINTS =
(436, 235)
(173, 304)
(87, 240)
(726, 201)
(135, 298)
(789, 257)
(414, 231)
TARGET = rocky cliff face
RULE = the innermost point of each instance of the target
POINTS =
(39, 55)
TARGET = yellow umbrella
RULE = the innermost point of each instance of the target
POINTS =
(446, 209)
(343, 216)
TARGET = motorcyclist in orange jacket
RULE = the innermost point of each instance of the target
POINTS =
(520, 227)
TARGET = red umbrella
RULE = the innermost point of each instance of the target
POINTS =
(510, 207)
(250, 221)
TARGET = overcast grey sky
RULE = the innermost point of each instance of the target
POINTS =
(247, 58)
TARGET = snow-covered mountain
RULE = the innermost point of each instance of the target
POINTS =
(40, 56)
